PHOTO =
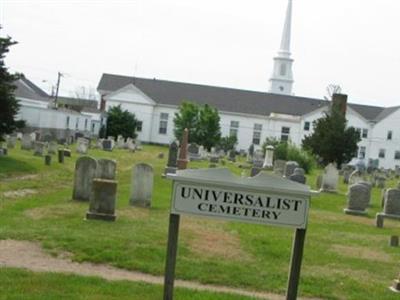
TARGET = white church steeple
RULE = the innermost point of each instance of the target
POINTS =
(281, 81)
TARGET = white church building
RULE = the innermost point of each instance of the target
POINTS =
(251, 116)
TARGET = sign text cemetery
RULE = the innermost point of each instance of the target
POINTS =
(263, 199)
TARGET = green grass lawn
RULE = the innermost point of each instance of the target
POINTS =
(346, 257)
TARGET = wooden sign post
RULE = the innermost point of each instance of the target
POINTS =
(263, 199)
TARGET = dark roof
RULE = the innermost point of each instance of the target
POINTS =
(225, 99)
(386, 112)
(27, 89)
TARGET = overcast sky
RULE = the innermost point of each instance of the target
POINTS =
(354, 43)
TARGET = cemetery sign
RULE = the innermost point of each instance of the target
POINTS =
(263, 199)
(217, 193)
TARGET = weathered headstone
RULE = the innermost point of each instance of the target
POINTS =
(357, 199)
(193, 152)
(183, 156)
(61, 156)
(172, 163)
(120, 142)
(355, 177)
(391, 208)
(279, 167)
(250, 153)
(52, 148)
(38, 148)
(160, 155)
(269, 157)
(380, 182)
(11, 141)
(330, 179)
(289, 168)
(318, 182)
(142, 185)
(102, 200)
(107, 145)
(298, 176)
(67, 152)
(232, 155)
(85, 171)
(26, 142)
(369, 188)
(82, 145)
(106, 169)
(47, 159)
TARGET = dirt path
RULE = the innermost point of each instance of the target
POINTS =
(29, 255)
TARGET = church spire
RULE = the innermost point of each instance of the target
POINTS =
(281, 81)
(285, 42)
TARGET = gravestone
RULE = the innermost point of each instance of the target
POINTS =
(193, 152)
(391, 208)
(269, 157)
(250, 153)
(107, 145)
(357, 199)
(52, 148)
(106, 169)
(82, 145)
(258, 159)
(47, 160)
(2, 152)
(67, 152)
(298, 176)
(380, 181)
(232, 155)
(318, 182)
(289, 168)
(26, 142)
(355, 177)
(346, 175)
(61, 156)
(172, 163)
(120, 142)
(102, 200)
(160, 155)
(255, 171)
(279, 167)
(369, 188)
(11, 141)
(38, 148)
(330, 179)
(142, 185)
(138, 144)
(85, 171)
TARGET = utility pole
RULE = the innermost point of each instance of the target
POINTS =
(59, 75)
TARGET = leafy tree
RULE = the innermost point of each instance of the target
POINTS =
(121, 122)
(202, 122)
(227, 143)
(332, 141)
(9, 104)
(187, 117)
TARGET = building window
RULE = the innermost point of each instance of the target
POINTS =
(397, 155)
(382, 153)
(93, 126)
(86, 122)
(282, 70)
(285, 134)
(257, 134)
(163, 123)
(361, 152)
(281, 88)
(358, 130)
(365, 133)
(67, 123)
(233, 131)
(389, 135)
(77, 123)
(307, 126)
(139, 125)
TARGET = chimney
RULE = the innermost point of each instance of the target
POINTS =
(339, 101)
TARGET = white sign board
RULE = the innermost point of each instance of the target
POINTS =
(264, 199)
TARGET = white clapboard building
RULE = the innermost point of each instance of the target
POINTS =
(72, 116)
(251, 116)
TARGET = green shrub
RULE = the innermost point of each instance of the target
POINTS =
(288, 151)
